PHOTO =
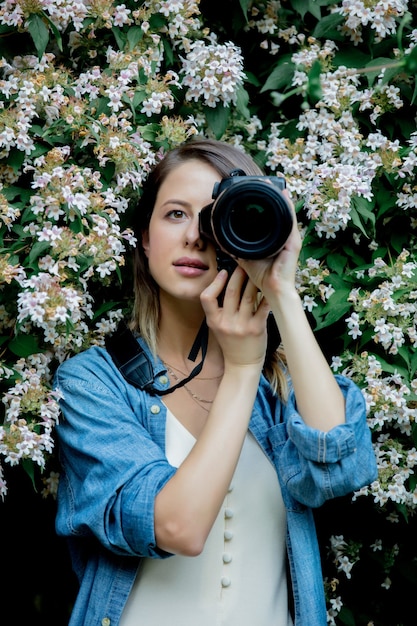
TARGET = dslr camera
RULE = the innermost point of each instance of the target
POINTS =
(250, 218)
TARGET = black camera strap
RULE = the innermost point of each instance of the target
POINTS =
(136, 366)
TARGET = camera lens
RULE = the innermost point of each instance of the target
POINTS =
(251, 219)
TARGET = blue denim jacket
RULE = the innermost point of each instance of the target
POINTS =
(111, 440)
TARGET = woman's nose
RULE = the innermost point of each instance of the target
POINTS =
(193, 236)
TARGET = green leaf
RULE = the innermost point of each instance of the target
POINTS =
(169, 53)
(403, 352)
(364, 208)
(149, 131)
(413, 365)
(11, 193)
(410, 62)
(375, 67)
(37, 249)
(29, 467)
(217, 119)
(242, 102)
(39, 32)
(362, 216)
(399, 241)
(391, 368)
(24, 345)
(414, 94)
(306, 6)
(314, 84)
(244, 4)
(336, 262)
(346, 617)
(106, 306)
(54, 29)
(336, 313)
(327, 27)
(120, 37)
(351, 58)
(4, 339)
(15, 159)
(138, 98)
(280, 77)
(338, 299)
(406, 21)
(108, 171)
(134, 35)
(414, 431)
(301, 6)
(384, 200)
(157, 21)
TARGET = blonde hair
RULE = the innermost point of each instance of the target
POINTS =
(223, 157)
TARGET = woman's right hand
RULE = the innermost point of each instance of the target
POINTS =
(239, 324)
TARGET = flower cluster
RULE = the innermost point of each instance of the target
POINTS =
(380, 15)
(22, 437)
(387, 314)
(83, 142)
(345, 555)
(15, 13)
(333, 163)
(310, 283)
(391, 307)
(213, 71)
(392, 411)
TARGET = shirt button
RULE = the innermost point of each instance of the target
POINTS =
(226, 582)
(227, 557)
(155, 409)
(163, 379)
(105, 621)
(228, 513)
(228, 535)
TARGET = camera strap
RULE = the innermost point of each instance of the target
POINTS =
(136, 366)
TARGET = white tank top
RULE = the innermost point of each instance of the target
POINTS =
(240, 577)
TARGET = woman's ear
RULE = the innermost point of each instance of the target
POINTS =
(145, 241)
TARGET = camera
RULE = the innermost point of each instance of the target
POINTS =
(250, 217)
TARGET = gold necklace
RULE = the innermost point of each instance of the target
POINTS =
(194, 396)
(171, 367)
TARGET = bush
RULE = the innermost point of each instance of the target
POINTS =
(322, 91)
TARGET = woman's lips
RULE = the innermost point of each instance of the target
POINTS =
(190, 267)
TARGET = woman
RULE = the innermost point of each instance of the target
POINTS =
(219, 473)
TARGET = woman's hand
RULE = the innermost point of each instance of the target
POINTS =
(240, 323)
(276, 275)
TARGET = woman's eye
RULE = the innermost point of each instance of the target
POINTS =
(176, 214)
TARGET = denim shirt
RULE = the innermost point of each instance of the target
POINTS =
(111, 441)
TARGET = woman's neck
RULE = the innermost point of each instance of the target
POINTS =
(176, 337)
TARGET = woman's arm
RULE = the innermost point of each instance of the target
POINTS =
(319, 400)
(318, 396)
(187, 506)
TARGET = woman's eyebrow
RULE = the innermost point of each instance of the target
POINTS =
(175, 201)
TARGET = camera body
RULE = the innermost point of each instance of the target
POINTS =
(250, 218)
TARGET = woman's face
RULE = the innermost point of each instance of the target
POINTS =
(179, 261)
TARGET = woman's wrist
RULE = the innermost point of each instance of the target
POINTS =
(285, 300)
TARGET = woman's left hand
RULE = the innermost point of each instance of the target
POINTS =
(276, 275)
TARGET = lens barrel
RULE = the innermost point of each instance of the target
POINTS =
(250, 217)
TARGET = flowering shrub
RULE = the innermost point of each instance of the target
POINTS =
(323, 92)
